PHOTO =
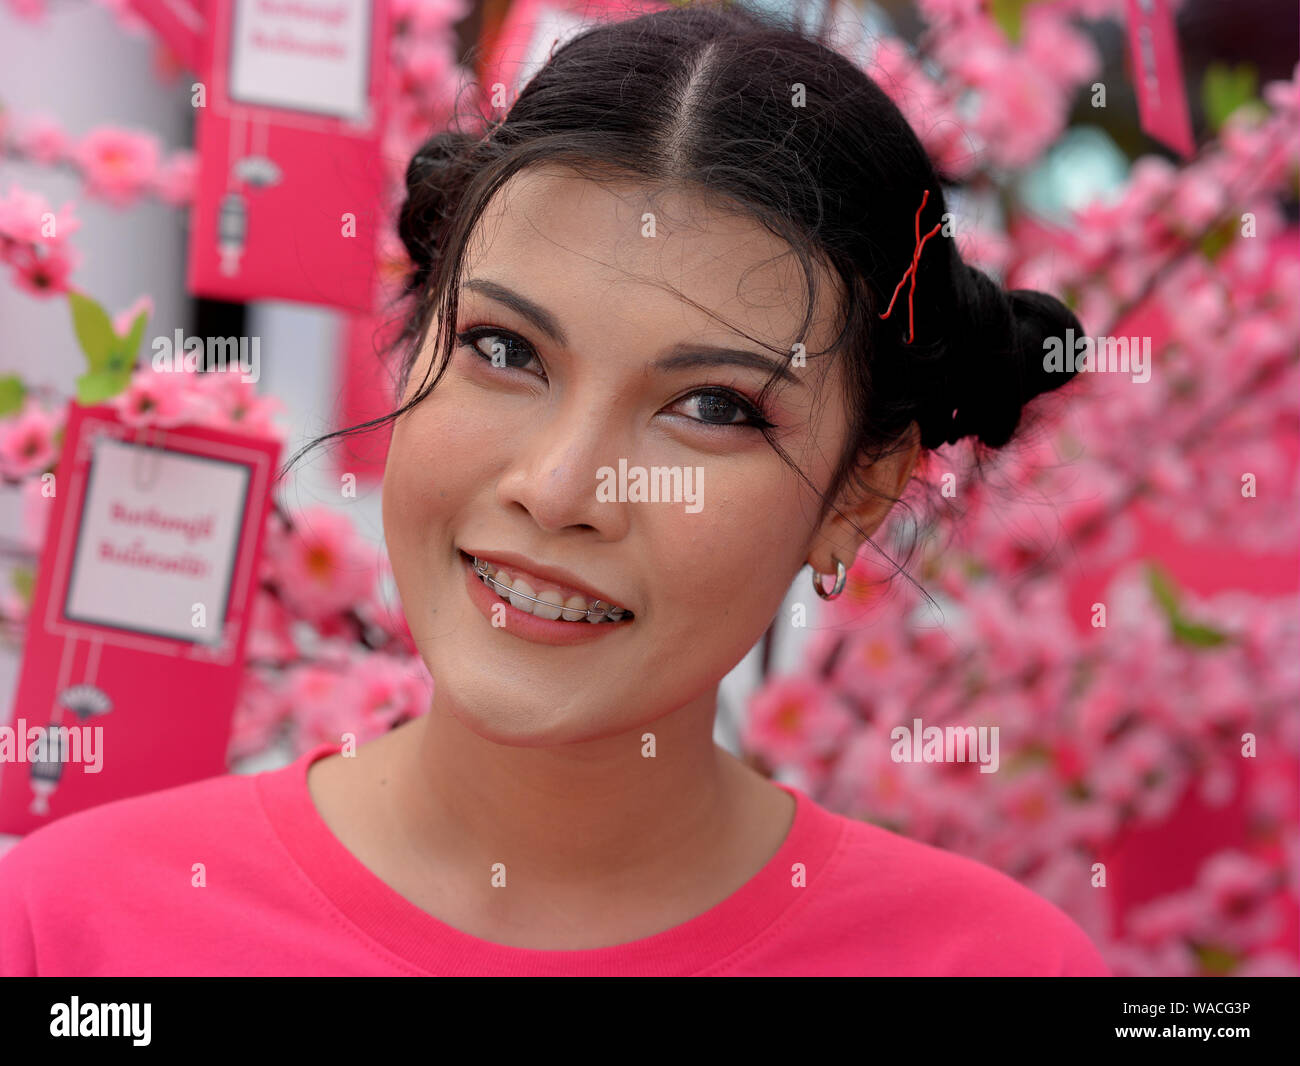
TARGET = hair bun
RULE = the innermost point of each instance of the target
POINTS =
(994, 359)
(435, 178)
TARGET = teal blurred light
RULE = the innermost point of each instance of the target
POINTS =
(1083, 166)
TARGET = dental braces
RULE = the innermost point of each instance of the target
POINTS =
(599, 609)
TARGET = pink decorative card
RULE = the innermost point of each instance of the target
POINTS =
(290, 192)
(135, 641)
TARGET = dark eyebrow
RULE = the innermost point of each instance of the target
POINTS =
(687, 356)
(521, 305)
(683, 356)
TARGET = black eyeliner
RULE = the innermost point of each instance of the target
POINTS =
(758, 421)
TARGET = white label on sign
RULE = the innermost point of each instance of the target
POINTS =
(158, 536)
(304, 55)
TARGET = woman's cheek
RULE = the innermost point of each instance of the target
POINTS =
(435, 460)
(452, 441)
(719, 564)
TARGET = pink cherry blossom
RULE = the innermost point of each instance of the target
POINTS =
(271, 630)
(1169, 916)
(1058, 49)
(119, 164)
(27, 218)
(30, 10)
(1234, 881)
(796, 715)
(235, 404)
(942, 11)
(261, 712)
(175, 180)
(392, 689)
(360, 695)
(430, 15)
(159, 399)
(927, 107)
(322, 698)
(1198, 199)
(44, 270)
(43, 140)
(1018, 115)
(27, 442)
(1268, 964)
(323, 566)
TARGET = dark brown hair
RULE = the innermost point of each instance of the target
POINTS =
(703, 97)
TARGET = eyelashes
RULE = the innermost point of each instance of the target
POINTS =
(510, 350)
(500, 355)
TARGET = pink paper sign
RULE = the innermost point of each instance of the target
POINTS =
(135, 641)
(290, 189)
(1158, 75)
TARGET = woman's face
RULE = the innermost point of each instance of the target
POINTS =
(507, 461)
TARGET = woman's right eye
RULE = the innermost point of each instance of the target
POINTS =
(498, 348)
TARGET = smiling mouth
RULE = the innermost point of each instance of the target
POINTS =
(545, 602)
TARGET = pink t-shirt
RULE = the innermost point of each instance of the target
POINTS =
(108, 892)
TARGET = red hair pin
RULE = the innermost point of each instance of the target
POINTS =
(916, 258)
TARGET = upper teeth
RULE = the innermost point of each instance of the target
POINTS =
(549, 602)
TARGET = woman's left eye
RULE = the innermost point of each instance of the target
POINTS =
(720, 407)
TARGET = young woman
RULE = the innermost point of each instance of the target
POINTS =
(699, 246)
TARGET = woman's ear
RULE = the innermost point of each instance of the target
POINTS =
(868, 494)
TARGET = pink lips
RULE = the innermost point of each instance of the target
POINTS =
(527, 626)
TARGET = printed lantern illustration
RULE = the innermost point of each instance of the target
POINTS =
(258, 172)
(85, 701)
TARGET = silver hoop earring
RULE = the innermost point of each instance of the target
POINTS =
(840, 575)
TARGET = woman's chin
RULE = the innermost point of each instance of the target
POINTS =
(508, 717)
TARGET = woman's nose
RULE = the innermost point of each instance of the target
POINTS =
(553, 474)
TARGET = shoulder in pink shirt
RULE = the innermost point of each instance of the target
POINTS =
(113, 891)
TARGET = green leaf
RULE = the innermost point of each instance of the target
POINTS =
(96, 386)
(24, 579)
(1225, 88)
(1008, 14)
(12, 394)
(94, 329)
(131, 343)
(1217, 239)
(1162, 588)
(1200, 636)
(1183, 629)
(1215, 960)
